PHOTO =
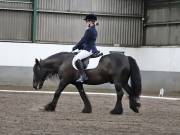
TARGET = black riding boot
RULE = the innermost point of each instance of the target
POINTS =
(80, 67)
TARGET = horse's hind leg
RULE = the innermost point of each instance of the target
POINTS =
(87, 104)
(133, 104)
(52, 105)
(118, 107)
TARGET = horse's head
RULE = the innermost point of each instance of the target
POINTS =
(39, 76)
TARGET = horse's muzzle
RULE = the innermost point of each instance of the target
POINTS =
(37, 86)
(40, 86)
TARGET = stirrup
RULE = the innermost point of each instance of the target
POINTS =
(81, 79)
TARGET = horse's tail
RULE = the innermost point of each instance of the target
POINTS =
(135, 76)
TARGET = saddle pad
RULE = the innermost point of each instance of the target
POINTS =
(93, 63)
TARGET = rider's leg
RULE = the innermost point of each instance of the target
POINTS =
(77, 59)
(80, 67)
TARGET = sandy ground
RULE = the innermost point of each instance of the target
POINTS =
(20, 115)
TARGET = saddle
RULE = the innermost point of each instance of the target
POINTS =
(86, 61)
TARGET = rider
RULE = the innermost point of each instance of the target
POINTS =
(86, 45)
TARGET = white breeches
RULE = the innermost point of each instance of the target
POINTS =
(81, 55)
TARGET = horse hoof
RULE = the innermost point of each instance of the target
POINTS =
(135, 109)
(116, 111)
(87, 110)
(138, 104)
(49, 108)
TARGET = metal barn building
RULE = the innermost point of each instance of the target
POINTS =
(149, 30)
(60, 21)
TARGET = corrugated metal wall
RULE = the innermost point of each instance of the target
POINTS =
(163, 22)
(58, 28)
(120, 21)
(61, 20)
(16, 4)
(69, 28)
(15, 25)
(15, 20)
(130, 7)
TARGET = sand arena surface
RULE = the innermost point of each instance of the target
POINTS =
(20, 115)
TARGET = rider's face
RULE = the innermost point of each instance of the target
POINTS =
(89, 23)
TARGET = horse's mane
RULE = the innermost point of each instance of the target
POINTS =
(55, 58)
(52, 76)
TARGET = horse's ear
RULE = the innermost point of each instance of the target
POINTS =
(37, 61)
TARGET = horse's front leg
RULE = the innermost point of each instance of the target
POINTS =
(87, 104)
(52, 105)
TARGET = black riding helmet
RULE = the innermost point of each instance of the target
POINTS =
(90, 17)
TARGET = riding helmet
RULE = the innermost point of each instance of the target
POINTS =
(90, 17)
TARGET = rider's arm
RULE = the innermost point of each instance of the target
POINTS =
(83, 39)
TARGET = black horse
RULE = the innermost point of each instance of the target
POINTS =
(114, 68)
